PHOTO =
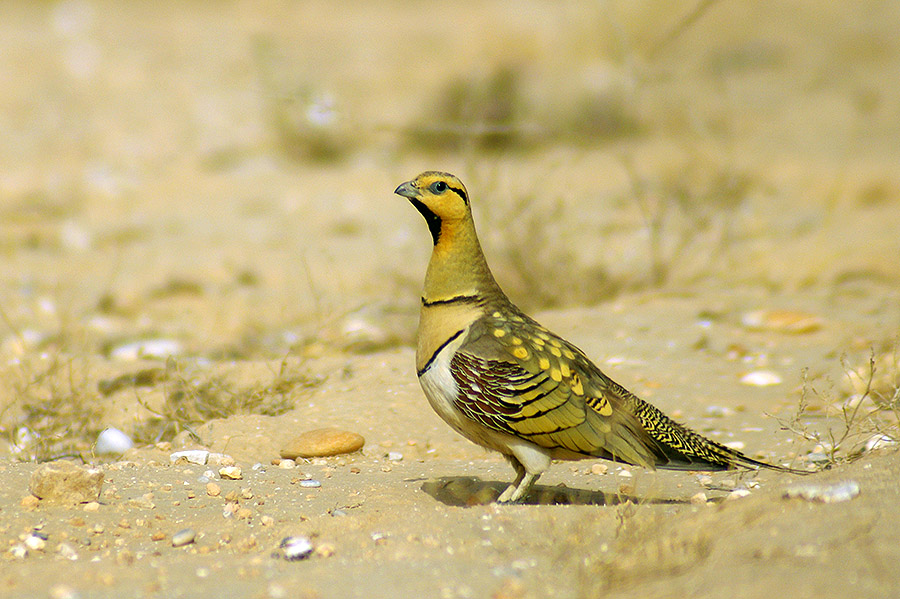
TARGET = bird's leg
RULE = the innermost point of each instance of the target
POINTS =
(519, 487)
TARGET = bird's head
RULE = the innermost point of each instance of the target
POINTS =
(440, 197)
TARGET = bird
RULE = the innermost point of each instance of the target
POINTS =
(505, 382)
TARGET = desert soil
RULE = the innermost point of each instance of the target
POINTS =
(199, 246)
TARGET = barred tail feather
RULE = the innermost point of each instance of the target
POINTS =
(680, 448)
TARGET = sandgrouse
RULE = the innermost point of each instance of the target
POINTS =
(503, 381)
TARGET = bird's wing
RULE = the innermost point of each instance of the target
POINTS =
(518, 378)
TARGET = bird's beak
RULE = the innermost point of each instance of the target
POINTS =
(407, 190)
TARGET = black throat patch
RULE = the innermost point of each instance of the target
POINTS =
(433, 220)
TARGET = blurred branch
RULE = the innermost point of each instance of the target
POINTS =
(686, 22)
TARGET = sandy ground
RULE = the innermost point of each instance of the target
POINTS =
(199, 246)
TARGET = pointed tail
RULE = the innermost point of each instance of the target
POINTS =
(680, 448)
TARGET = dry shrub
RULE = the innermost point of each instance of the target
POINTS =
(54, 411)
(534, 256)
(472, 112)
(863, 414)
(190, 400)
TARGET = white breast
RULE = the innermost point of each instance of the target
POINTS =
(441, 389)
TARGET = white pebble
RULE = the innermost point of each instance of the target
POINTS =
(394, 456)
(183, 537)
(295, 548)
(194, 456)
(825, 493)
(879, 441)
(219, 459)
(737, 494)
(35, 542)
(761, 378)
(148, 349)
(112, 441)
(66, 551)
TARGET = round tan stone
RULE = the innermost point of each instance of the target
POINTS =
(322, 442)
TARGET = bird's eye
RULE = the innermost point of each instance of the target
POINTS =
(438, 187)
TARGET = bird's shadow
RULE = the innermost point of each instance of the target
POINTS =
(465, 491)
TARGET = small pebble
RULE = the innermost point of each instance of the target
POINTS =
(66, 551)
(761, 378)
(737, 494)
(699, 498)
(183, 537)
(395, 456)
(112, 441)
(310, 483)
(36, 541)
(322, 442)
(231, 473)
(781, 321)
(295, 548)
(717, 412)
(599, 468)
(158, 349)
(62, 591)
(91, 506)
(213, 490)
(194, 456)
(286, 463)
(817, 457)
(220, 459)
(879, 441)
(825, 493)
(19, 551)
